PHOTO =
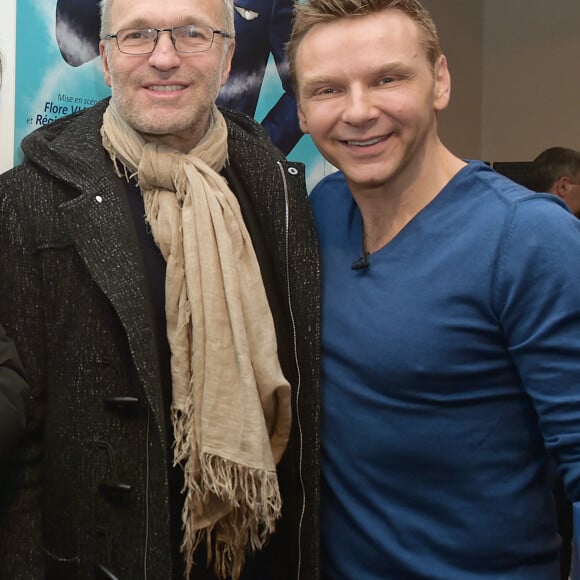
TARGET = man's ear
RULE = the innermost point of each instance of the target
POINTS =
(105, 62)
(302, 121)
(442, 88)
(228, 60)
(561, 187)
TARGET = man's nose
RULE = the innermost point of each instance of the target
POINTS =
(164, 54)
(359, 106)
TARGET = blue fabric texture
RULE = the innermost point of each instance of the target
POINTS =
(575, 568)
(451, 380)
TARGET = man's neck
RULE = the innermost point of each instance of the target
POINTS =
(388, 209)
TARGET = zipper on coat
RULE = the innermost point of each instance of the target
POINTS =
(296, 362)
(147, 498)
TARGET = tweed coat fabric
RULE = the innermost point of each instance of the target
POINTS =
(87, 492)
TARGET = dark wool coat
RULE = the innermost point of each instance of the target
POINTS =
(90, 496)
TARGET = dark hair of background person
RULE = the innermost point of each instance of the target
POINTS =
(550, 165)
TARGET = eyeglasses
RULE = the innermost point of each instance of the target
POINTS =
(189, 38)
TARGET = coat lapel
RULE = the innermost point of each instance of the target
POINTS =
(100, 224)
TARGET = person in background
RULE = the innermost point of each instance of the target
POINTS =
(164, 291)
(557, 170)
(13, 387)
(450, 318)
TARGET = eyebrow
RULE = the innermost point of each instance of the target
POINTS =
(395, 67)
(140, 22)
(317, 80)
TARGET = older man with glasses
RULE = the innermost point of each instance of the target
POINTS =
(164, 291)
(262, 29)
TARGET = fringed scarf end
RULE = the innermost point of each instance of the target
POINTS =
(254, 501)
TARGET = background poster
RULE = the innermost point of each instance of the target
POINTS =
(58, 71)
(46, 86)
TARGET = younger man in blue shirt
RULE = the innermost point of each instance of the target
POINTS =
(451, 318)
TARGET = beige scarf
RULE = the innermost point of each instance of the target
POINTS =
(231, 403)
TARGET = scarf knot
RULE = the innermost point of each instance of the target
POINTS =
(161, 168)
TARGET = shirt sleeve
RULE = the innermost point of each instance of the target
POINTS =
(537, 300)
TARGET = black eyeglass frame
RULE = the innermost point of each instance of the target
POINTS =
(214, 31)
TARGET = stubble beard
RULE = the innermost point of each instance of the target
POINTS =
(148, 121)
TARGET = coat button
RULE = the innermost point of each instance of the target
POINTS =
(116, 492)
(103, 573)
(124, 404)
(292, 171)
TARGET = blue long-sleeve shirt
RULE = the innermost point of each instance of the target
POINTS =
(451, 365)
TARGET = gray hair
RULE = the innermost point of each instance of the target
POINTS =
(106, 5)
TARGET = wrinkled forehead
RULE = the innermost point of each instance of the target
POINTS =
(153, 13)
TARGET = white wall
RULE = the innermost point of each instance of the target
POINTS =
(460, 24)
(531, 77)
(515, 68)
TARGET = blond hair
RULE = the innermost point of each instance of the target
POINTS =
(309, 13)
